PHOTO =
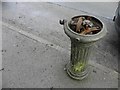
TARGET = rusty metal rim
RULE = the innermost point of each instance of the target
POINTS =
(103, 26)
(84, 38)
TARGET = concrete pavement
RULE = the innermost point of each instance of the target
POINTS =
(103, 9)
(36, 49)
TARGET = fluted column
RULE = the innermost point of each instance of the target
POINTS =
(80, 53)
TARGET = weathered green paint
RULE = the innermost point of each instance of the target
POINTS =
(80, 53)
(81, 47)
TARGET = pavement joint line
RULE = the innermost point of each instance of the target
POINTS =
(43, 41)
(34, 37)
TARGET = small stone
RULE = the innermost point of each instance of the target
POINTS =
(3, 50)
(65, 69)
(94, 71)
(2, 69)
(34, 49)
(51, 44)
(20, 17)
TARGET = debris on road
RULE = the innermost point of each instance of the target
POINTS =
(84, 25)
(2, 69)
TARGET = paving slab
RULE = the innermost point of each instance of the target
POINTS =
(31, 64)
